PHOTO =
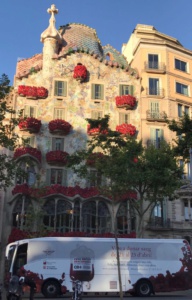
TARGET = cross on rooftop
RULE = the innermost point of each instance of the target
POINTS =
(53, 10)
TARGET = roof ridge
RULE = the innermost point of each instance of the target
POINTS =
(73, 23)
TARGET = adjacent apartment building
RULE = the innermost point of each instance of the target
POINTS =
(165, 68)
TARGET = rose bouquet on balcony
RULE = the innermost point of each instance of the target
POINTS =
(42, 92)
(22, 90)
(57, 157)
(19, 152)
(80, 72)
(32, 91)
(126, 129)
(30, 124)
(59, 126)
(21, 189)
(125, 101)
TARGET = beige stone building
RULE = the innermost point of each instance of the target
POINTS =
(165, 67)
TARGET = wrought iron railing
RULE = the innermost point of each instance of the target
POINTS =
(152, 65)
(155, 91)
(155, 115)
(156, 143)
(158, 222)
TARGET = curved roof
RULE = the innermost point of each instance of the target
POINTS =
(77, 36)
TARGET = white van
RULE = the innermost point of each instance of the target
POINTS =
(147, 265)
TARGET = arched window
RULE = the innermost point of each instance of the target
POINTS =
(76, 216)
(89, 217)
(22, 207)
(58, 215)
(96, 217)
(104, 219)
(64, 216)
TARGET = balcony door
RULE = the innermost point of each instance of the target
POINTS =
(153, 61)
(154, 109)
(153, 86)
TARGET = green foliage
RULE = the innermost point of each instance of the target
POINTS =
(183, 130)
(101, 123)
(5, 88)
(126, 165)
(8, 139)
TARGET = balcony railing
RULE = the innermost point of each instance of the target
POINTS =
(155, 115)
(155, 92)
(155, 67)
(158, 223)
(156, 143)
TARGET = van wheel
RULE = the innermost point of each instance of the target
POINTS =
(51, 289)
(143, 288)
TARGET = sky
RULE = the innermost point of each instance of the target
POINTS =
(23, 21)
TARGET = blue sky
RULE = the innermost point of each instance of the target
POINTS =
(22, 22)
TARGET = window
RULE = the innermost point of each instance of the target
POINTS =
(182, 89)
(96, 217)
(188, 210)
(30, 111)
(180, 108)
(57, 176)
(60, 89)
(30, 140)
(95, 178)
(97, 91)
(96, 114)
(154, 109)
(153, 61)
(154, 86)
(156, 136)
(20, 211)
(59, 113)
(59, 215)
(29, 175)
(58, 144)
(186, 110)
(125, 89)
(124, 118)
(180, 65)
(62, 216)
(125, 219)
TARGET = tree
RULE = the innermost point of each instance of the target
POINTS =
(8, 140)
(126, 165)
(183, 130)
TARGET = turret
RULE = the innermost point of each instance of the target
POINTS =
(51, 39)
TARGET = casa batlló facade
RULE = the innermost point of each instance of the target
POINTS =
(73, 79)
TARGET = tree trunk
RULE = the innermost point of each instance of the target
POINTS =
(118, 257)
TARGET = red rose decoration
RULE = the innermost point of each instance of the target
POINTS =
(30, 124)
(125, 101)
(59, 125)
(28, 150)
(57, 157)
(126, 129)
(32, 91)
(80, 72)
